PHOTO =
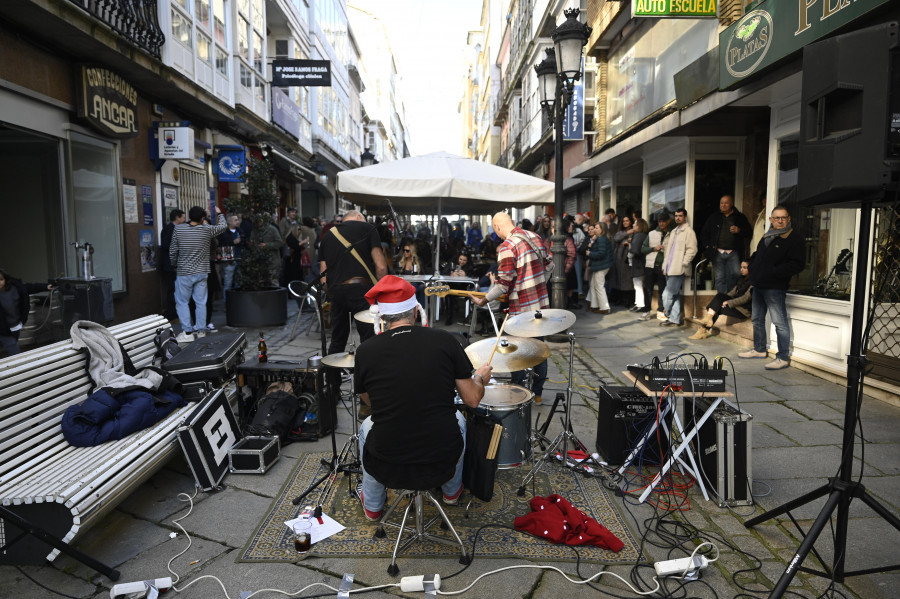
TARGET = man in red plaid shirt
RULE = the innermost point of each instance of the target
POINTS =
(520, 275)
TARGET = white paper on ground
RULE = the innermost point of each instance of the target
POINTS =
(327, 528)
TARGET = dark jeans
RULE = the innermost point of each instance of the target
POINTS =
(168, 282)
(11, 343)
(716, 306)
(540, 376)
(346, 300)
(653, 276)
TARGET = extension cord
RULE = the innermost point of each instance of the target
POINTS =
(122, 589)
(411, 584)
(677, 567)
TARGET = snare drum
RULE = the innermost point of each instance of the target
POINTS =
(511, 404)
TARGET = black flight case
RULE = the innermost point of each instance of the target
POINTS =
(213, 358)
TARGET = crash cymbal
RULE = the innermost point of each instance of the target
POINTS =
(365, 316)
(539, 323)
(341, 360)
(513, 353)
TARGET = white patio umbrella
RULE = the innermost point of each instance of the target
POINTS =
(444, 183)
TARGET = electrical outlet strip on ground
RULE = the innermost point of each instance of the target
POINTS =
(677, 567)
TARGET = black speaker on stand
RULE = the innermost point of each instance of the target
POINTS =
(849, 158)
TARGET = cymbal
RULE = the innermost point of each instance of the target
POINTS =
(540, 323)
(340, 360)
(513, 353)
(365, 316)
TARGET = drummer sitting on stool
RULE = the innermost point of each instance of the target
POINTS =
(409, 376)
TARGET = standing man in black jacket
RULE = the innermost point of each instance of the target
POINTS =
(779, 256)
(723, 242)
(176, 217)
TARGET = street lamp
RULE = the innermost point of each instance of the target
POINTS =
(557, 75)
(367, 158)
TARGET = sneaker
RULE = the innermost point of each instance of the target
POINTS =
(199, 334)
(669, 323)
(647, 316)
(211, 328)
(777, 364)
(661, 316)
(185, 337)
(752, 353)
(538, 399)
(370, 515)
(452, 500)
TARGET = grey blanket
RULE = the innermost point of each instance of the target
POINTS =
(106, 364)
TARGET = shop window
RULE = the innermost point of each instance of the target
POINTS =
(666, 191)
(96, 205)
(829, 234)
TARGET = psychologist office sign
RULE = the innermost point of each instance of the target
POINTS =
(306, 73)
(778, 28)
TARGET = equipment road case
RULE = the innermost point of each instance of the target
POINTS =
(206, 435)
(724, 446)
(211, 358)
(253, 455)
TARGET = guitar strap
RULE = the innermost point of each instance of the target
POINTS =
(354, 253)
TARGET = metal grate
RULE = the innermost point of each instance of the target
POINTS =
(883, 326)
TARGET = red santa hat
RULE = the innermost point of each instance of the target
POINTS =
(393, 295)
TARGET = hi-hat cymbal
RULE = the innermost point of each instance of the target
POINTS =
(340, 360)
(365, 316)
(513, 353)
(539, 323)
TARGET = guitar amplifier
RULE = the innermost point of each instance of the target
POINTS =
(723, 449)
(307, 382)
(624, 413)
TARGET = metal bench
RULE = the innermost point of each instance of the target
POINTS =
(50, 492)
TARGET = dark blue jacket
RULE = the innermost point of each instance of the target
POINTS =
(102, 417)
(601, 254)
(774, 265)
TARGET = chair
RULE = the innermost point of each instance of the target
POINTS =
(414, 482)
(303, 293)
(493, 309)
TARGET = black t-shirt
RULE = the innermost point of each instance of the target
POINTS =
(410, 375)
(339, 261)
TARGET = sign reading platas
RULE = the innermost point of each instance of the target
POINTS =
(749, 44)
(673, 8)
(107, 102)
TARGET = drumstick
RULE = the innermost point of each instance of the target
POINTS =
(497, 342)
(495, 442)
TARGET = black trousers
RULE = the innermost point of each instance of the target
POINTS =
(716, 306)
(653, 276)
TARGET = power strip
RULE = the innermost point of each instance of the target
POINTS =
(678, 567)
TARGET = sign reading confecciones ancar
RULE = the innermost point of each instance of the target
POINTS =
(107, 101)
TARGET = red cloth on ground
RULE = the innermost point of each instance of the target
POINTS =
(558, 521)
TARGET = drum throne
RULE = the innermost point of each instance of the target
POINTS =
(413, 483)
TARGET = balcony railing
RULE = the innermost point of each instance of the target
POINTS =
(135, 20)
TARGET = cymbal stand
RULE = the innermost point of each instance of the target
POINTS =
(348, 459)
(566, 435)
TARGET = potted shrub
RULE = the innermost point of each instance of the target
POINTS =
(255, 301)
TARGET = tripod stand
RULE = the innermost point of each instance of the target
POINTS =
(841, 490)
(566, 435)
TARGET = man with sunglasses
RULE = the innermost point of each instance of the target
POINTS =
(780, 255)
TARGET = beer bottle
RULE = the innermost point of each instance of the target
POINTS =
(263, 350)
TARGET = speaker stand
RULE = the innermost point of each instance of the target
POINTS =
(840, 490)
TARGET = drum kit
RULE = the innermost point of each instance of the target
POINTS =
(510, 404)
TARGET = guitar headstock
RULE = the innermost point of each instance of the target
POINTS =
(438, 290)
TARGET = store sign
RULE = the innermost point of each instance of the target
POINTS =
(674, 8)
(573, 121)
(107, 102)
(308, 73)
(176, 140)
(231, 163)
(779, 28)
(285, 113)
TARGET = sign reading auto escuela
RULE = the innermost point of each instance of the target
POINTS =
(107, 102)
(673, 8)
(777, 29)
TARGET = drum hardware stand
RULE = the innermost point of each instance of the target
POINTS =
(348, 459)
(566, 434)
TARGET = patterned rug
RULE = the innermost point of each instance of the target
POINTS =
(272, 541)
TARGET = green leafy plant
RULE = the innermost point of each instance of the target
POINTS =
(258, 204)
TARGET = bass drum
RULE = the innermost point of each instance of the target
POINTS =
(511, 405)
